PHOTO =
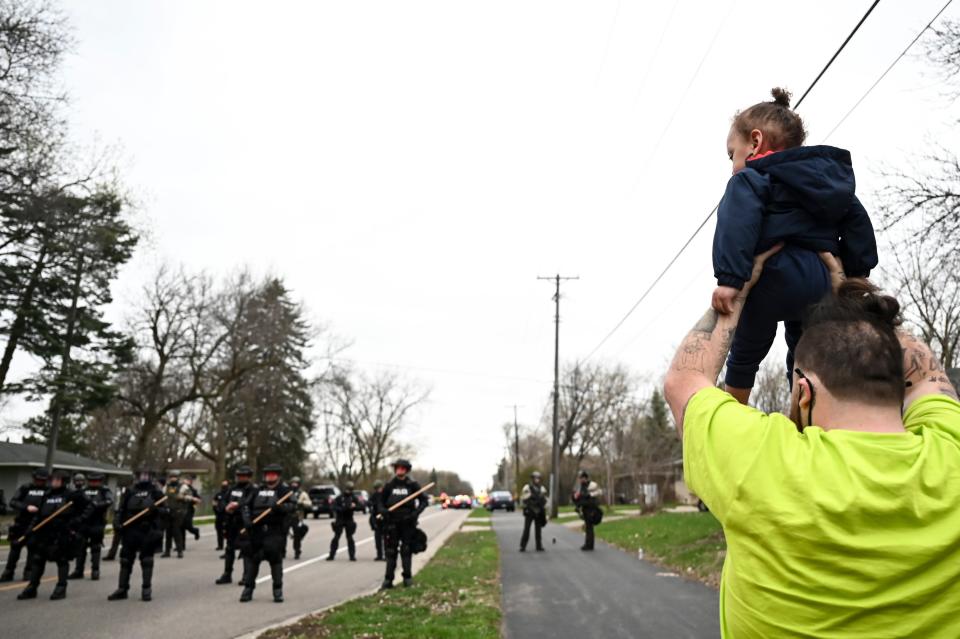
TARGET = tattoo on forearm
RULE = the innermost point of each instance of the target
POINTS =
(707, 323)
(692, 352)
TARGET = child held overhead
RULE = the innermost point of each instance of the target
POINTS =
(782, 192)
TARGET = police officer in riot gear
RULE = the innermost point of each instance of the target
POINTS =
(297, 523)
(533, 498)
(191, 509)
(59, 539)
(219, 502)
(141, 537)
(123, 485)
(239, 493)
(100, 499)
(25, 503)
(345, 504)
(176, 504)
(586, 497)
(265, 537)
(400, 526)
(376, 523)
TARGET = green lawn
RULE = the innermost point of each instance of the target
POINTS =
(456, 596)
(616, 508)
(479, 513)
(688, 543)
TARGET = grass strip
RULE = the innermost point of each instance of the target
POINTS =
(456, 596)
(691, 544)
(479, 513)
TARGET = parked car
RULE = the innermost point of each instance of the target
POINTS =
(500, 499)
(462, 501)
(322, 497)
(364, 500)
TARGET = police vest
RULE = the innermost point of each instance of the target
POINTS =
(34, 496)
(139, 498)
(53, 502)
(264, 499)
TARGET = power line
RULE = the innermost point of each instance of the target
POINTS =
(888, 69)
(842, 46)
(714, 210)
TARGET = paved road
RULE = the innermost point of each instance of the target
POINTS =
(186, 603)
(565, 593)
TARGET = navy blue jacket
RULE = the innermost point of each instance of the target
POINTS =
(802, 196)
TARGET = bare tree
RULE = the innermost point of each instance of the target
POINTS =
(176, 348)
(771, 391)
(928, 285)
(593, 401)
(367, 418)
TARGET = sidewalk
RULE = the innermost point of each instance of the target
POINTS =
(565, 593)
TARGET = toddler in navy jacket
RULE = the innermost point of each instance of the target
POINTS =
(782, 192)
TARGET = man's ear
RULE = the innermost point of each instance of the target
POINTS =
(804, 394)
(756, 141)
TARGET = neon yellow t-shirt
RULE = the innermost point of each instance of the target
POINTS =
(831, 533)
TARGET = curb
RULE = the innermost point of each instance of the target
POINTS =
(424, 558)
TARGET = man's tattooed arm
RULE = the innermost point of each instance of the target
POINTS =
(923, 374)
(699, 359)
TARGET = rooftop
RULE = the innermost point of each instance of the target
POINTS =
(34, 455)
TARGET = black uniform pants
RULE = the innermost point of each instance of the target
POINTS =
(588, 527)
(349, 527)
(398, 539)
(265, 544)
(377, 529)
(188, 526)
(220, 521)
(233, 545)
(15, 533)
(92, 539)
(143, 540)
(174, 532)
(56, 546)
(300, 530)
(530, 518)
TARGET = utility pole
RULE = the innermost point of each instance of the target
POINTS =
(516, 452)
(555, 459)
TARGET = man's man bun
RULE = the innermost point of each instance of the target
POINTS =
(866, 297)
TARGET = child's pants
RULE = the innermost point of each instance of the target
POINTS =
(792, 280)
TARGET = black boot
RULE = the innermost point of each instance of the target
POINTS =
(407, 582)
(78, 569)
(60, 592)
(225, 578)
(36, 572)
(386, 585)
(406, 561)
(30, 592)
(250, 569)
(123, 583)
(276, 571)
(391, 567)
(6, 576)
(146, 566)
(94, 564)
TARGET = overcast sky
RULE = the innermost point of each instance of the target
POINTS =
(410, 168)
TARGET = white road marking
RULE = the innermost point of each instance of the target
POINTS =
(306, 563)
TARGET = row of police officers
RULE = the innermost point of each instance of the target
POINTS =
(59, 523)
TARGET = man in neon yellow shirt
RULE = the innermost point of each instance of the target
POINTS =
(845, 520)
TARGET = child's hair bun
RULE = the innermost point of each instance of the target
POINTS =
(781, 96)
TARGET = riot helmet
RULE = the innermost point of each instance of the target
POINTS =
(404, 464)
(40, 476)
(79, 481)
(272, 473)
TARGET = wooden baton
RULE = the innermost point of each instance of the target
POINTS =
(44, 522)
(408, 498)
(143, 512)
(267, 511)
